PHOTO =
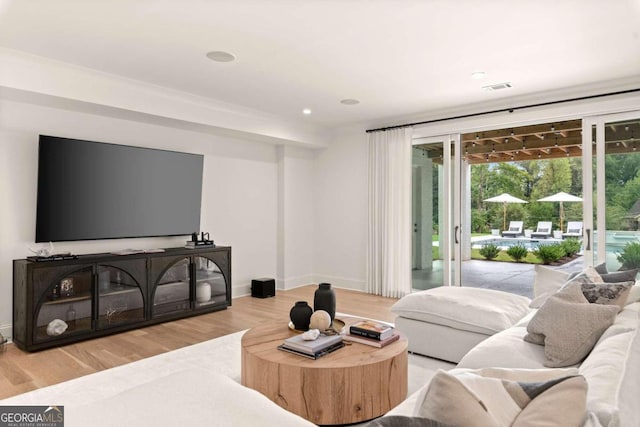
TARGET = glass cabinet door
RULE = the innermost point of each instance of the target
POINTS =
(171, 290)
(211, 287)
(120, 298)
(65, 307)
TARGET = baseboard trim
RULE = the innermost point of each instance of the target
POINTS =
(295, 282)
(309, 279)
(342, 282)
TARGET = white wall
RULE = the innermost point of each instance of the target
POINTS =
(240, 190)
(296, 215)
(341, 212)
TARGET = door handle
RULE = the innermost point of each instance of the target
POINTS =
(588, 246)
(455, 234)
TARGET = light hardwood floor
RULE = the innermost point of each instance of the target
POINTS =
(21, 371)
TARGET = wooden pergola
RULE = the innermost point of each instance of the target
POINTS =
(538, 142)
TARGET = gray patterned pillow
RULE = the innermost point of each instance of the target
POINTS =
(607, 293)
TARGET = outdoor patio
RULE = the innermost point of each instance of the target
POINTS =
(511, 277)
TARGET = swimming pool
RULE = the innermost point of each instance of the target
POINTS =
(506, 243)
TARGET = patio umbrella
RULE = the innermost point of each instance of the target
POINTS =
(561, 197)
(504, 198)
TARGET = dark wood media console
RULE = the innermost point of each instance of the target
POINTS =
(101, 294)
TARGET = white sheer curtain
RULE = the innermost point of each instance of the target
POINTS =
(389, 239)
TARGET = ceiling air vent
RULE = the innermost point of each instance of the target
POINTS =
(497, 86)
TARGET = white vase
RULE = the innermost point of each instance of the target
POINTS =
(203, 292)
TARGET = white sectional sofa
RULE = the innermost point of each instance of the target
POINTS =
(611, 369)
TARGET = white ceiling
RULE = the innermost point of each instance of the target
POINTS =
(400, 58)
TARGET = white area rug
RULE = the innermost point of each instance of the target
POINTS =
(220, 355)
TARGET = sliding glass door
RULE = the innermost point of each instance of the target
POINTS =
(436, 212)
(612, 214)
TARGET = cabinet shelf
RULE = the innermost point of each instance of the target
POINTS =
(114, 293)
(118, 290)
(82, 327)
(68, 300)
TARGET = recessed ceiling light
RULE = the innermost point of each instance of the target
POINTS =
(220, 56)
(306, 111)
(478, 74)
(349, 101)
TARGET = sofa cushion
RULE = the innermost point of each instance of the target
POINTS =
(478, 310)
(570, 326)
(185, 398)
(605, 370)
(478, 398)
(506, 349)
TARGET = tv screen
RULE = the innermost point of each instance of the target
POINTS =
(91, 190)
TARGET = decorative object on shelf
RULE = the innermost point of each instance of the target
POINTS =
(320, 319)
(55, 292)
(203, 241)
(71, 318)
(66, 287)
(56, 327)
(43, 252)
(311, 335)
(325, 299)
(300, 315)
(203, 292)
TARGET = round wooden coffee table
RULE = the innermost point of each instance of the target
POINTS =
(353, 384)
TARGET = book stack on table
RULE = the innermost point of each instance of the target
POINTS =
(372, 333)
(319, 347)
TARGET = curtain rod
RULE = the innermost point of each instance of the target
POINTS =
(503, 110)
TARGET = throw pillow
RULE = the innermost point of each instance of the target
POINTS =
(546, 282)
(620, 276)
(570, 326)
(602, 268)
(472, 398)
(634, 294)
(607, 293)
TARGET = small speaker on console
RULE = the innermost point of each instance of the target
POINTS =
(263, 288)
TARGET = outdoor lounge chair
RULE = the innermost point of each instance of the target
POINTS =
(574, 229)
(515, 229)
(543, 231)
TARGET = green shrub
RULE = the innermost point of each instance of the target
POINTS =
(630, 256)
(549, 253)
(489, 251)
(571, 246)
(517, 252)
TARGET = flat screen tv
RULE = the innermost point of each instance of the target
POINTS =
(91, 190)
